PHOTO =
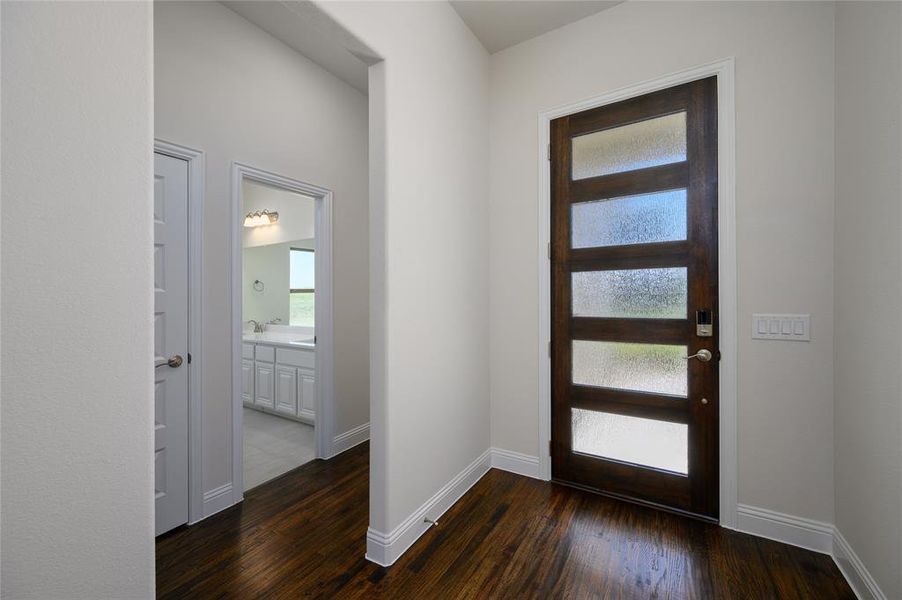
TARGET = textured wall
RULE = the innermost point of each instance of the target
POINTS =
(869, 285)
(77, 356)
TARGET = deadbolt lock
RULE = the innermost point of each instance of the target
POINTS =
(704, 323)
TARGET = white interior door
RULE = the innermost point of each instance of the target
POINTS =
(170, 256)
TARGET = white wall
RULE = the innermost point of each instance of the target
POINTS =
(226, 87)
(868, 291)
(429, 228)
(784, 194)
(77, 446)
(297, 214)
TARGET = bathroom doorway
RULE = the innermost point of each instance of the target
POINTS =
(282, 324)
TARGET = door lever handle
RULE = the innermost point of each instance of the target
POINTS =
(174, 361)
(703, 355)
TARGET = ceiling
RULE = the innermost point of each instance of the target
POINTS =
(296, 25)
(500, 24)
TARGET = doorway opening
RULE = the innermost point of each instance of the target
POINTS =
(237, 81)
(282, 324)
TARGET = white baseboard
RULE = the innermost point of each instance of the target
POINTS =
(350, 438)
(218, 499)
(811, 535)
(860, 580)
(789, 529)
(515, 462)
(384, 549)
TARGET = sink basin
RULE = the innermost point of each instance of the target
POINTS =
(304, 341)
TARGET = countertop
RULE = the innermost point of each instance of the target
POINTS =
(285, 340)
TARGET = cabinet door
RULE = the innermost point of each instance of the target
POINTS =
(286, 390)
(264, 385)
(247, 381)
(307, 389)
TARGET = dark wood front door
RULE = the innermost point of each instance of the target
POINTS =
(634, 299)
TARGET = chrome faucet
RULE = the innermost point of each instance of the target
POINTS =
(258, 327)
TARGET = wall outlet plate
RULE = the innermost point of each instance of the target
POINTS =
(789, 327)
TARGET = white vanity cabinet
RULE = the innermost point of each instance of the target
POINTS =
(307, 395)
(247, 374)
(298, 365)
(263, 385)
(286, 390)
(279, 380)
(264, 376)
(247, 382)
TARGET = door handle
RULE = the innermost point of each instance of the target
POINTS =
(174, 361)
(703, 355)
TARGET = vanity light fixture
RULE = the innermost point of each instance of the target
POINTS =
(261, 217)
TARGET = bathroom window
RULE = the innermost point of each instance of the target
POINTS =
(301, 283)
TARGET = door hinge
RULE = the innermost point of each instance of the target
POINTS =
(548, 154)
(549, 447)
(549, 349)
(548, 250)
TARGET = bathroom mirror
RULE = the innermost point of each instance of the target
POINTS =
(279, 248)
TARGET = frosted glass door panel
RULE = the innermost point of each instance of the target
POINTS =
(640, 219)
(658, 444)
(656, 368)
(650, 143)
(630, 293)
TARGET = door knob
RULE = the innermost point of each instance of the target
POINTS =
(703, 355)
(174, 361)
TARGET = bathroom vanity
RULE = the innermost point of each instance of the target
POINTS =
(278, 375)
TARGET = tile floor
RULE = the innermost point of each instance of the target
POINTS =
(273, 445)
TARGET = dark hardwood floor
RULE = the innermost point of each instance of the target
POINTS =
(302, 535)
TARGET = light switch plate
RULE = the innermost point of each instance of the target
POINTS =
(793, 328)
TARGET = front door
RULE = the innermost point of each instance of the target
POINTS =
(634, 299)
(170, 322)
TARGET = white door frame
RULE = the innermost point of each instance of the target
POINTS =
(195, 159)
(325, 384)
(728, 310)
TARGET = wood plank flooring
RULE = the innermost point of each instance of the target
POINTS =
(303, 536)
